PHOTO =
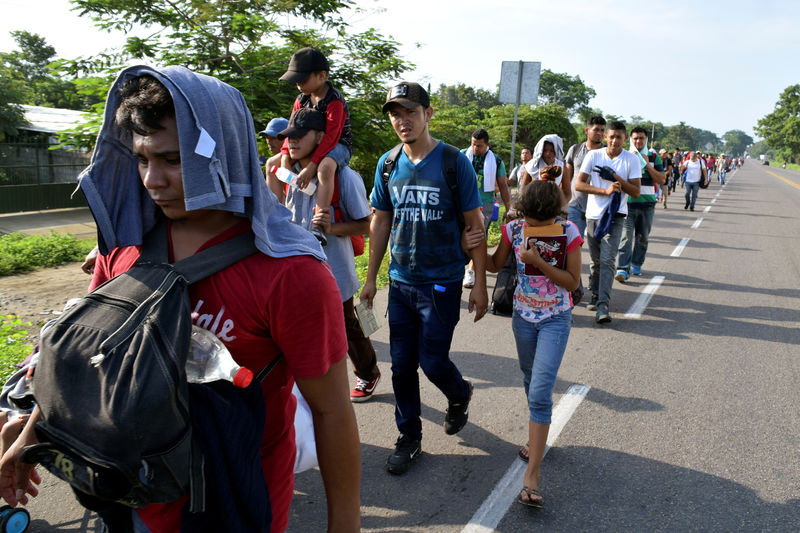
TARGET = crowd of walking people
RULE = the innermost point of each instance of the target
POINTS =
(165, 155)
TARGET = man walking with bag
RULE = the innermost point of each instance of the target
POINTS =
(161, 155)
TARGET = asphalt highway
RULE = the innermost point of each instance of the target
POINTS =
(691, 421)
(682, 415)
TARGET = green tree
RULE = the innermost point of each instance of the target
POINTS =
(463, 95)
(781, 128)
(454, 124)
(761, 148)
(680, 136)
(32, 64)
(248, 45)
(568, 91)
(533, 123)
(736, 142)
(707, 140)
(12, 93)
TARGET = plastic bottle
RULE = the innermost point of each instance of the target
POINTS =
(495, 212)
(287, 176)
(209, 360)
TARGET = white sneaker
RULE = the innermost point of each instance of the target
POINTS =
(469, 278)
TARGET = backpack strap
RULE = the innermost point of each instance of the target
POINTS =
(202, 264)
(212, 260)
(449, 158)
(264, 372)
(337, 215)
(388, 165)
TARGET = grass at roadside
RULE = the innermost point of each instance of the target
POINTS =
(789, 166)
(362, 264)
(14, 344)
(21, 253)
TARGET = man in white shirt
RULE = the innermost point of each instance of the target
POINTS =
(695, 174)
(608, 175)
(595, 130)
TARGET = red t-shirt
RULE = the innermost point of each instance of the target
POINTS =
(259, 308)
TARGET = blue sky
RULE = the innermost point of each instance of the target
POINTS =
(714, 65)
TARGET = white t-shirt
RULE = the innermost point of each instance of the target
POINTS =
(534, 172)
(626, 165)
(694, 171)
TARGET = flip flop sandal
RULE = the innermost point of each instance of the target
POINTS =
(524, 452)
(537, 504)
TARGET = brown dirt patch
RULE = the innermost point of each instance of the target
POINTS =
(40, 295)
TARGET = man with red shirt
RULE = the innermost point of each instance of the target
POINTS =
(163, 154)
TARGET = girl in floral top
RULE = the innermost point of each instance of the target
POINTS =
(542, 312)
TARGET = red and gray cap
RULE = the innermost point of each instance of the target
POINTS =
(408, 94)
(302, 121)
(303, 63)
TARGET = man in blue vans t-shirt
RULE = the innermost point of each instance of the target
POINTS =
(416, 208)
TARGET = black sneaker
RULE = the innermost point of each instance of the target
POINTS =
(457, 414)
(318, 233)
(405, 450)
(592, 305)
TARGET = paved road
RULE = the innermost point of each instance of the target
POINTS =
(690, 421)
(77, 221)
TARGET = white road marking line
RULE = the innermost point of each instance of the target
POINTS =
(641, 302)
(707, 209)
(679, 249)
(697, 223)
(495, 507)
(713, 200)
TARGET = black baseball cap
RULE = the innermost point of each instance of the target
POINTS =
(408, 94)
(303, 63)
(303, 120)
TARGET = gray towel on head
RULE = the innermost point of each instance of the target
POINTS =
(219, 163)
(558, 146)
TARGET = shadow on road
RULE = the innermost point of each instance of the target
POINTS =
(648, 495)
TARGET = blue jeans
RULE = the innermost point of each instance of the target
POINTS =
(540, 348)
(691, 191)
(341, 154)
(486, 213)
(421, 324)
(633, 244)
(577, 217)
(604, 258)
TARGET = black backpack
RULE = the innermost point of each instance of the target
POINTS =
(449, 168)
(504, 287)
(111, 381)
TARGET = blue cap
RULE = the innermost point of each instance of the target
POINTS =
(275, 126)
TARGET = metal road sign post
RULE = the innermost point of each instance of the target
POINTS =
(519, 83)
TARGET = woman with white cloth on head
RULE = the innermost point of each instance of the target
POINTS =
(548, 151)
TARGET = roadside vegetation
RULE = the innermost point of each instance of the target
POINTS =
(22, 253)
(15, 345)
